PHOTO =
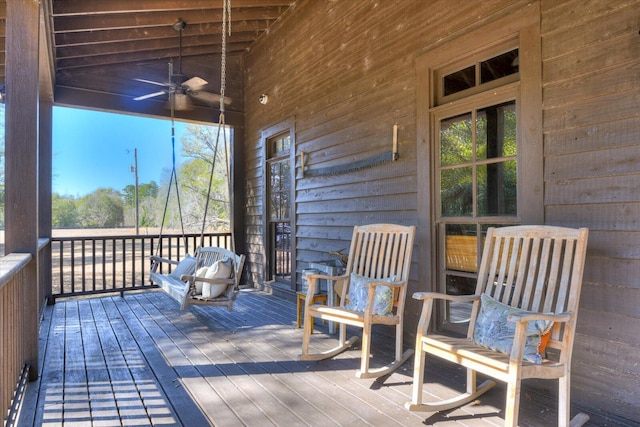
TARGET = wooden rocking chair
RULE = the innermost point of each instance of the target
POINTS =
(529, 281)
(373, 292)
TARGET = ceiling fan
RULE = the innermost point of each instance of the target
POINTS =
(181, 88)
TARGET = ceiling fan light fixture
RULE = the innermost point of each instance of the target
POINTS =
(179, 25)
(182, 102)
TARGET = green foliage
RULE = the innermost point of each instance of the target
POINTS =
(145, 191)
(193, 176)
(461, 154)
(101, 209)
(64, 213)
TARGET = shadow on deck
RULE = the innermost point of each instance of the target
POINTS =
(139, 360)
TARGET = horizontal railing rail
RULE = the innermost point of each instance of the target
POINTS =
(13, 356)
(100, 264)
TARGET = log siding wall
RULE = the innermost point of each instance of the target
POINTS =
(591, 81)
(346, 72)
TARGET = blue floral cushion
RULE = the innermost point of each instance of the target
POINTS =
(495, 331)
(358, 289)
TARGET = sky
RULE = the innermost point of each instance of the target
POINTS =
(93, 149)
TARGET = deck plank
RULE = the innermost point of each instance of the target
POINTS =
(210, 400)
(139, 360)
(124, 386)
(103, 402)
(275, 395)
(170, 395)
(236, 373)
(76, 410)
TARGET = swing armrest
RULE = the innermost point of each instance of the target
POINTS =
(158, 259)
(191, 279)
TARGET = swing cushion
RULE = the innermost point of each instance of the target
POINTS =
(202, 272)
(186, 266)
(221, 269)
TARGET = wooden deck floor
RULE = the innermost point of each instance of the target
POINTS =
(139, 360)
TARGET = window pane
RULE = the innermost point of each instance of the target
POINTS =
(456, 140)
(284, 190)
(456, 191)
(497, 183)
(279, 146)
(461, 249)
(460, 80)
(280, 184)
(496, 131)
(499, 66)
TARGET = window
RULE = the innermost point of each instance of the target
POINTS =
(278, 142)
(481, 117)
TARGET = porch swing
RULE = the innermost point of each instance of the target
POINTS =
(212, 275)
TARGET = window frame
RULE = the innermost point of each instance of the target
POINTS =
(519, 29)
(286, 127)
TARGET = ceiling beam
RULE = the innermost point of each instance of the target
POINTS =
(135, 57)
(132, 34)
(190, 46)
(160, 18)
(74, 7)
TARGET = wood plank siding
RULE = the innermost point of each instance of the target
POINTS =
(345, 72)
(591, 81)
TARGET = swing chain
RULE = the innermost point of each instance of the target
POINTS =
(226, 27)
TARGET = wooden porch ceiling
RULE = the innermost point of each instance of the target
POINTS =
(98, 48)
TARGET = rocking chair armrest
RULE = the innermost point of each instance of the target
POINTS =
(325, 277)
(155, 258)
(528, 317)
(312, 283)
(438, 295)
(397, 284)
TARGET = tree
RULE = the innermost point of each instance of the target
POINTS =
(102, 208)
(145, 191)
(199, 145)
(147, 194)
(64, 213)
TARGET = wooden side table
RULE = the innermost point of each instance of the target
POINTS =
(321, 298)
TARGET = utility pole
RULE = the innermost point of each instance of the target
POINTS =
(134, 169)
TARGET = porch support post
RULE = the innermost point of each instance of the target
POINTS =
(238, 182)
(45, 152)
(21, 158)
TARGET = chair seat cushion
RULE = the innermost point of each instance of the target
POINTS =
(493, 329)
(358, 289)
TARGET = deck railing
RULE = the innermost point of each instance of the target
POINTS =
(100, 264)
(13, 355)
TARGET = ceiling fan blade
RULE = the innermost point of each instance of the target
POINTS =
(208, 97)
(154, 83)
(150, 95)
(195, 83)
